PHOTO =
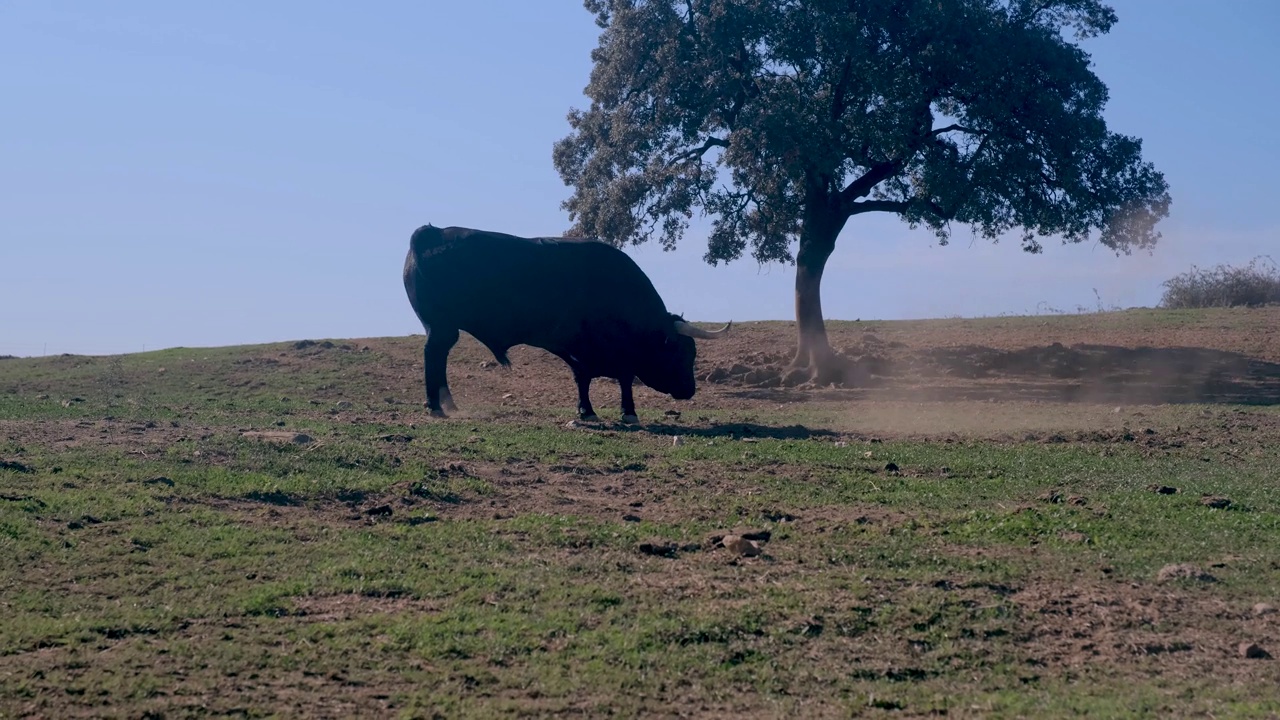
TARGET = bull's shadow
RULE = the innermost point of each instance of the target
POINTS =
(1054, 373)
(732, 430)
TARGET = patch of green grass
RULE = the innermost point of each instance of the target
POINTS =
(161, 561)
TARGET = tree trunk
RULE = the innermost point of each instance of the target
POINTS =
(813, 350)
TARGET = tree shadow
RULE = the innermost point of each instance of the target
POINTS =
(1081, 373)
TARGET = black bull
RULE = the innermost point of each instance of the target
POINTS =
(584, 301)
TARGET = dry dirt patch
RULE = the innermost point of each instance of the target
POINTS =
(1184, 632)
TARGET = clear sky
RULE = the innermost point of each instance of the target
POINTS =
(181, 173)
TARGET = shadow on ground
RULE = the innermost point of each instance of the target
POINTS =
(736, 431)
(1052, 373)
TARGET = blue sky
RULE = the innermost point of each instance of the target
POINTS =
(206, 174)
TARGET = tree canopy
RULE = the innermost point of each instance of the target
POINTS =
(781, 119)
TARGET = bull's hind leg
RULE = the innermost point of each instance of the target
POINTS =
(583, 380)
(435, 356)
(585, 411)
(446, 398)
(628, 402)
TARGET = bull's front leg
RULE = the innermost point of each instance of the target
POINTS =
(628, 402)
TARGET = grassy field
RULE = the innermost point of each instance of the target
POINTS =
(987, 525)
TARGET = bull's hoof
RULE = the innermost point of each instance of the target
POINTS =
(630, 419)
(436, 413)
(589, 417)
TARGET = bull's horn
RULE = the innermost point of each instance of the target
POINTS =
(685, 328)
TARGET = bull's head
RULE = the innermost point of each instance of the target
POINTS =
(669, 368)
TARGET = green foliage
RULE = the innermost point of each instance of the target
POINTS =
(784, 119)
(1255, 284)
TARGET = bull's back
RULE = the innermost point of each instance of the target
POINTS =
(507, 290)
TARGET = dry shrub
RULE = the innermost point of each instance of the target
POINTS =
(1252, 285)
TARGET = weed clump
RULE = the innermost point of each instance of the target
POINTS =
(1252, 285)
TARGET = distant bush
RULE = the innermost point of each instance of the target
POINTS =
(1257, 283)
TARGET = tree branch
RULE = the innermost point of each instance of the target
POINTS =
(863, 185)
(838, 101)
(698, 151)
(894, 206)
(954, 127)
(1031, 14)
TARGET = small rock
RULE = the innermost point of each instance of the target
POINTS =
(1077, 500)
(379, 511)
(891, 467)
(508, 396)
(658, 548)
(1162, 489)
(868, 454)
(672, 414)
(677, 441)
(1051, 496)
(1263, 609)
(572, 424)
(1184, 571)
(841, 443)
(740, 546)
(278, 436)
(344, 405)
(1217, 502)
(1252, 651)
(631, 518)
(720, 537)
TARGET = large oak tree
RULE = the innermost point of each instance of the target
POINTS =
(782, 119)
